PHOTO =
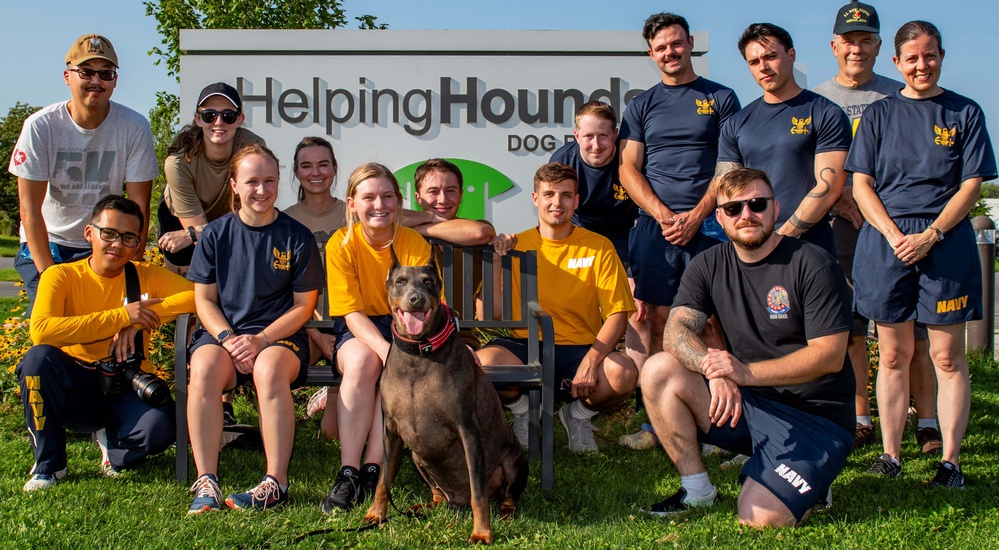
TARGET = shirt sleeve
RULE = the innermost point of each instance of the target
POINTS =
(729, 106)
(863, 151)
(695, 287)
(50, 323)
(344, 288)
(613, 292)
(728, 143)
(183, 199)
(308, 270)
(141, 164)
(827, 302)
(631, 124)
(30, 159)
(979, 159)
(203, 263)
(833, 132)
(177, 292)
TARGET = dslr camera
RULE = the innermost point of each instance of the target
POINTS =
(120, 377)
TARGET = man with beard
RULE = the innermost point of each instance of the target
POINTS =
(784, 393)
(73, 153)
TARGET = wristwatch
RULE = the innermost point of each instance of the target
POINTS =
(224, 335)
(940, 235)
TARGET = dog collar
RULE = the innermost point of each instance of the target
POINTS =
(430, 344)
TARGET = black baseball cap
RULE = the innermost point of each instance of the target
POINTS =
(224, 90)
(857, 16)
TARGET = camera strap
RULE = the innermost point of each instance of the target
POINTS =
(134, 294)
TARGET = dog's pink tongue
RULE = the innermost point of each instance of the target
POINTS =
(414, 322)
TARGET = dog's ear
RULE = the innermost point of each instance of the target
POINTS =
(432, 262)
(395, 259)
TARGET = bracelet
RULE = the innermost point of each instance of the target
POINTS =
(192, 233)
(940, 235)
(267, 341)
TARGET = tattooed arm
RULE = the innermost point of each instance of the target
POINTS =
(681, 337)
(829, 179)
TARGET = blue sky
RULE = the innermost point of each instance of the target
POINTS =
(43, 32)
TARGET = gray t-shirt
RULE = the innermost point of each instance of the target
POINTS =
(81, 166)
(855, 100)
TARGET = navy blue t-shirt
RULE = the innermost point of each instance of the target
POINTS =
(680, 128)
(771, 308)
(604, 206)
(257, 269)
(782, 139)
(920, 150)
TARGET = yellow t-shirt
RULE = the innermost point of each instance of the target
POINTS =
(356, 272)
(80, 311)
(581, 282)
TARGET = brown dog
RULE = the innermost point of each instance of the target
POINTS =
(439, 403)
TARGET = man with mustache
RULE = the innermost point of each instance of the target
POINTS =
(783, 394)
(669, 146)
(73, 153)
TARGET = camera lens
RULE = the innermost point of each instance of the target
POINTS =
(150, 389)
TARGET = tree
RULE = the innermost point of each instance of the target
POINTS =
(174, 15)
(10, 130)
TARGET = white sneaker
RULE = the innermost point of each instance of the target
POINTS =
(519, 424)
(44, 481)
(735, 462)
(317, 402)
(101, 437)
(580, 432)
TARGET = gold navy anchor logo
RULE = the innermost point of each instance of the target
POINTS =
(705, 106)
(282, 260)
(800, 125)
(944, 137)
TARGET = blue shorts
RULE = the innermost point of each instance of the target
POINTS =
(658, 265)
(298, 343)
(620, 243)
(567, 357)
(944, 288)
(382, 322)
(795, 455)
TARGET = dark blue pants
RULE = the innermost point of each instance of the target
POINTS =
(60, 393)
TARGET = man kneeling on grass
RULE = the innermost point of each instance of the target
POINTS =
(783, 394)
(82, 316)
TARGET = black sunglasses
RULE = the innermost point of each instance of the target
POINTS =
(208, 116)
(129, 240)
(734, 208)
(106, 75)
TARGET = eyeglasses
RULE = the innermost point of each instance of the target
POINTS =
(106, 75)
(129, 240)
(734, 208)
(208, 116)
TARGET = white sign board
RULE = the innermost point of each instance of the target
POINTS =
(500, 102)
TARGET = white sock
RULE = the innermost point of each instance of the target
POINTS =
(927, 423)
(697, 485)
(579, 411)
(520, 406)
(865, 420)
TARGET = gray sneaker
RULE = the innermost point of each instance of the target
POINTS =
(580, 432)
(520, 429)
(44, 481)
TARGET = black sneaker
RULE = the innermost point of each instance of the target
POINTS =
(343, 495)
(228, 415)
(886, 466)
(369, 481)
(948, 475)
(680, 502)
(929, 440)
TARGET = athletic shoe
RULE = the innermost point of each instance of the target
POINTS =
(101, 437)
(228, 415)
(864, 435)
(317, 402)
(580, 432)
(948, 475)
(681, 502)
(343, 494)
(645, 438)
(207, 495)
(885, 466)
(929, 440)
(824, 504)
(43, 481)
(369, 481)
(266, 495)
(734, 462)
(519, 424)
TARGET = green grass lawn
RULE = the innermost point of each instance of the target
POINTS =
(595, 503)
(9, 274)
(9, 246)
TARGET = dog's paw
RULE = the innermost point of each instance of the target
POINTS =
(481, 538)
(507, 509)
(374, 516)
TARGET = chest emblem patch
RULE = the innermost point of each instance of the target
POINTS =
(800, 125)
(944, 137)
(705, 106)
(282, 260)
(778, 303)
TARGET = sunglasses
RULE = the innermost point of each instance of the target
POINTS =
(757, 205)
(106, 75)
(129, 240)
(208, 116)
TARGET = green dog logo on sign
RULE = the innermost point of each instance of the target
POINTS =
(479, 180)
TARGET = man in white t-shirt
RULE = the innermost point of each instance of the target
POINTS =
(72, 154)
